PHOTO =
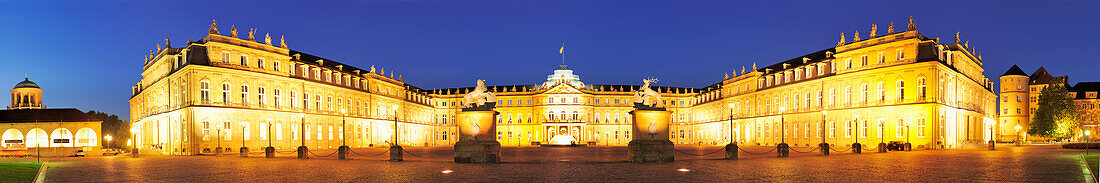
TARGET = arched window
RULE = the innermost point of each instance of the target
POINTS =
(575, 115)
(260, 95)
(244, 94)
(550, 115)
(12, 137)
(562, 115)
(86, 137)
(62, 137)
(225, 93)
(37, 138)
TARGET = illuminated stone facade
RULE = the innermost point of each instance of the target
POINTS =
(1020, 99)
(899, 85)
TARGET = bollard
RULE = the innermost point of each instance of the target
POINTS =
(908, 147)
(731, 151)
(302, 152)
(782, 150)
(857, 148)
(1017, 143)
(218, 151)
(881, 147)
(244, 152)
(992, 144)
(134, 153)
(269, 152)
(824, 149)
(342, 152)
(396, 153)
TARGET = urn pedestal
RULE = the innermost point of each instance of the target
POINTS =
(477, 136)
(649, 136)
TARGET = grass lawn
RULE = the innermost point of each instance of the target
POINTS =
(18, 171)
(1091, 161)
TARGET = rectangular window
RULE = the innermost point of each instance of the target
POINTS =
(275, 66)
(244, 60)
(306, 130)
(863, 60)
(260, 63)
(901, 55)
(920, 128)
(278, 131)
(225, 57)
(260, 95)
(204, 91)
(848, 61)
(277, 97)
(899, 128)
(881, 57)
(244, 94)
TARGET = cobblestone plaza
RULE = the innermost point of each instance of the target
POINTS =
(591, 164)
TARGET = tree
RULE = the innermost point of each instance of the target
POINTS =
(118, 129)
(1056, 116)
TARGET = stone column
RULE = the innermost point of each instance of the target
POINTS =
(649, 136)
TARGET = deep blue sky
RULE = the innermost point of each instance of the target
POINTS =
(87, 55)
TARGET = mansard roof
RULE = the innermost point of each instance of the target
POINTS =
(1015, 70)
(797, 61)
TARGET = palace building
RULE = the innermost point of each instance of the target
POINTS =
(27, 123)
(1020, 99)
(229, 92)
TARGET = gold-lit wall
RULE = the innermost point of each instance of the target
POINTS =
(902, 86)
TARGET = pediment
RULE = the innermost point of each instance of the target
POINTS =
(563, 89)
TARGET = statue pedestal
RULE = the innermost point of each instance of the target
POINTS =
(650, 151)
(649, 139)
(477, 151)
(477, 136)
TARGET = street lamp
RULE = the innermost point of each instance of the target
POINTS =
(731, 122)
(782, 126)
(269, 132)
(1017, 135)
(218, 138)
(856, 136)
(394, 124)
(1087, 133)
(302, 129)
(824, 146)
(343, 127)
(108, 138)
(908, 146)
(133, 141)
(992, 143)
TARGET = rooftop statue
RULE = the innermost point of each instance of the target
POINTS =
(856, 37)
(912, 25)
(282, 41)
(957, 37)
(252, 34)
(214, 27)
(371, 68)
(890, 30)
(874, 30)
(167, 43)
(233, 31)
(267, 38)
(842, 41)
(479, 96)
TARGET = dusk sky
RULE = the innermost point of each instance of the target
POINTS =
(87, 55)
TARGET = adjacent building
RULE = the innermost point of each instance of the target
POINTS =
(228, 92)
(1020, 95)
(27, 123)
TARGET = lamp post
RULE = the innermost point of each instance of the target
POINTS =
(992, 143)
(218, 138)
(1017, 135)
(108, 138)
(343, 127)
(824, 146)
(856, 147)
(908, 146)
(395, 125)
(1087, 133)
(133, 141)
(269, 132)
(244, 148)
(731, 122)
(302, 149)
(881, 137)
(782, 149)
